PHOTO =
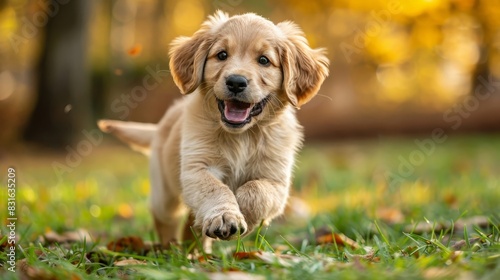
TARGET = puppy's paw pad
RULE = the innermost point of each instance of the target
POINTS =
(225, 226)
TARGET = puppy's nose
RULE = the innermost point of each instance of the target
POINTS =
(236, 83)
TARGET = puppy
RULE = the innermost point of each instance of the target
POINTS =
(225, 152)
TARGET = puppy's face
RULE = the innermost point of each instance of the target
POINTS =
(247, 68)
(243, 73)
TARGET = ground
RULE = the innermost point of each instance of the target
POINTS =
(379, 208)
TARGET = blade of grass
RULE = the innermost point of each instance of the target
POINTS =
(82, 253)
(441, 246)
(293, 248)
(466, 237)
(198, 242)
(452, 230)
(335, 242)
(257, 236)
(384, 238)
(239, 244)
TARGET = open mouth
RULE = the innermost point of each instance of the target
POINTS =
(237, 113)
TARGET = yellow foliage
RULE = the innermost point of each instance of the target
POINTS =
(416, 193)
(28, 194)
(390, 45)
(415, 8)
(125, 211)
(8, 24)
(145, 187)
(187, 16)
(426, 34)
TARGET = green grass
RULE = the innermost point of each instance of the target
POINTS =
(346, 185)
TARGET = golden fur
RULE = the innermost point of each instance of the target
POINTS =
(229, 156)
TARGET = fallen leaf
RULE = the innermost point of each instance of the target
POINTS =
(326, 236)
(202, 258)
(369, 256)
(29, 272)
(282, 259)
(128, 244)
(390, 215)
(411, 251)
(247, 255)
(237, 275)
(78, 235)
(128, 262)
(268, 257)
(459, 245)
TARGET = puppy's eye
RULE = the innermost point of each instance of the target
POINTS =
(222, 55)
(263, 60)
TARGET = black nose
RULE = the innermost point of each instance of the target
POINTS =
(236, 83)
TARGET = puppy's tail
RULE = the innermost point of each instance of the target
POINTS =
(137, 135)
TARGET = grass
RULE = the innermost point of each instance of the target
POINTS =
(363, 222)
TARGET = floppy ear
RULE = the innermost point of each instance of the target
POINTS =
(304, 69)
(188, 54)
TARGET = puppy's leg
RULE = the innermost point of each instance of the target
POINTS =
(261, 200)
(167, 220)
(216, 211)
(167, 208)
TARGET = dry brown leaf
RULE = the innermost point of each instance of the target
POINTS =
(390, 215)
(202, 258)
(326, 236)
(128, 262)
(247, 255)
(237, 275)
(411, 251)
(268, 257)
(128, 244)
(29, 272)
(370, 256)
(283, 260)
(66, 237)
(459, 245)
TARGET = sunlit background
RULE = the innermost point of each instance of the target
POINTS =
(397, 66)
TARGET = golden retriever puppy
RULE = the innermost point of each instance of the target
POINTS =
(226, 150)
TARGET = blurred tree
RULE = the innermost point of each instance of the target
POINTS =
(489, 24)
(63, 106)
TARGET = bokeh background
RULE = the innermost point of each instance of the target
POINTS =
(413, 98)
(397, 66)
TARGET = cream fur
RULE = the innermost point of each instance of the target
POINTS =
(229, 178)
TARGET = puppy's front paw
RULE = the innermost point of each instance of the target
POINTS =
(225, 225)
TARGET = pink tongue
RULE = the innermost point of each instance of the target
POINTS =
(236, 111)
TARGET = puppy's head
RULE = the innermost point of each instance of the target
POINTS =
(248, 68)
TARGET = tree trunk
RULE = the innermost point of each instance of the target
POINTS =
(63, 107)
